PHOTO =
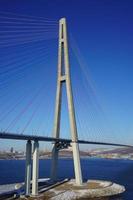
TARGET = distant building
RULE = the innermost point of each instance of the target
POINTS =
(11, 150)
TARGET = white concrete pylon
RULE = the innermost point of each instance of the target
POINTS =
(28, 167)
(64, 77)
(54, 163)
(35, 170)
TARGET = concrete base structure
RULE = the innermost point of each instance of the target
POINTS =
(68, 190)
(35, 170)
(89, 190)
(28, 167)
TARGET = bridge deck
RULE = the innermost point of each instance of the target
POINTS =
(14, 136)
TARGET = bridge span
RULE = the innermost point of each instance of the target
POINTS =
(32, 154)
(29, 137)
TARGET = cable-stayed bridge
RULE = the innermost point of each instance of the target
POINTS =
(66, 142)
(16, 33)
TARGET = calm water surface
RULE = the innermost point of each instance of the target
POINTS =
(119, 171)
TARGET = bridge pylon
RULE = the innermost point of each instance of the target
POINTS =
(64, 78)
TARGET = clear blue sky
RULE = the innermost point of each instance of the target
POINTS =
(103, 31)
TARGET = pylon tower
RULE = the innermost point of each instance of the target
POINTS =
(64, 78)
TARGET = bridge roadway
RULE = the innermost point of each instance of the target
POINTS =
(32, 154)
(15, 136)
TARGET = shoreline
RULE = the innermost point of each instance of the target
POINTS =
(65, 157)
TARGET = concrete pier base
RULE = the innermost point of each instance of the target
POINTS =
(28, 168)
(89, 190)
(35, 169)
(68, 190)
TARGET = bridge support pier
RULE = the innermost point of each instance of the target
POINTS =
(28, 167)
(55, 152)
(35, 168)
(77, 166)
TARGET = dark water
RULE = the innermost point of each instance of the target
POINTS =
(119, 171)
